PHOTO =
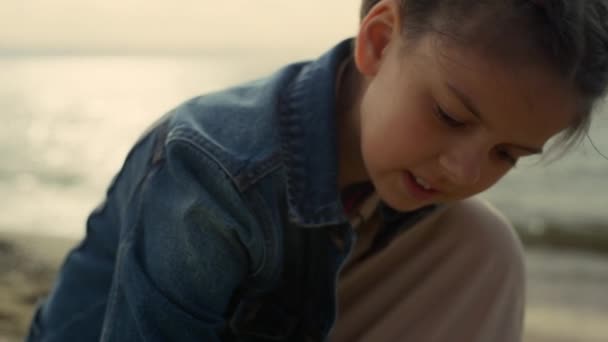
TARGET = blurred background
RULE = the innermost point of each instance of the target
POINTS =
(81, 79)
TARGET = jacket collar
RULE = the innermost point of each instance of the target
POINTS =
(309, 141)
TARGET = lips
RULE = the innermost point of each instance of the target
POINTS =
(423, 183)
(418, 187)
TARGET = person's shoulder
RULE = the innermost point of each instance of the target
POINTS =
(236, 128)
(477, 224)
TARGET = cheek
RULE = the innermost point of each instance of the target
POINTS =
(399, 135)
(398, 114)
(489, 177)
(398, 125)
(498, 175)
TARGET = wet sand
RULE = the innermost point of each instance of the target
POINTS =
(567, 295)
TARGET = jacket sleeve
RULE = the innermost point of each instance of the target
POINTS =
(191, 243)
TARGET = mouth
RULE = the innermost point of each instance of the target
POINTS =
(418, 187)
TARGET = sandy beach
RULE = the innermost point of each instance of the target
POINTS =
(567, 299)
(27, 269)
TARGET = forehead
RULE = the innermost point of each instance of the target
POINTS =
(520, 99)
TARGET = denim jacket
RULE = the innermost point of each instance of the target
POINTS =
(224, 224)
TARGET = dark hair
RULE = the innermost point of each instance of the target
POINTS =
(571, 35)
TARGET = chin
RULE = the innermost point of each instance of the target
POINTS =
(393, 193)
(399, 202)
(406, 208)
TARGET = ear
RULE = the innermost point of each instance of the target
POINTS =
(377, 31)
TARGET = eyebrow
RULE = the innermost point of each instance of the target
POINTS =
(471, 107)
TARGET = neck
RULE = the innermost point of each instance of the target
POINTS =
(350, 89)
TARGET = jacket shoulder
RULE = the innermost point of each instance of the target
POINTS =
(236, 127)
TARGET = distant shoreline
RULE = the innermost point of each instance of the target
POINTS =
(590, 237)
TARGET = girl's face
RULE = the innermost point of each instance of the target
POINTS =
(441, 123)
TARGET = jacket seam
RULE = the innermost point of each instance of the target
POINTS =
(199, 150)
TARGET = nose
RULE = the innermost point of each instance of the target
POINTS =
(462, 165)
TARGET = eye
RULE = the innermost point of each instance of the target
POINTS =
(447, 118)
(506, 156)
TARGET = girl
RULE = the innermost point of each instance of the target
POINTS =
(331, 200)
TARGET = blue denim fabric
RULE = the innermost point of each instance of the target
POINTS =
(189, 242)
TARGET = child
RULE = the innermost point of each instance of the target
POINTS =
(331, 201)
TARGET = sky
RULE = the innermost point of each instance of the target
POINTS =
(173, 25)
